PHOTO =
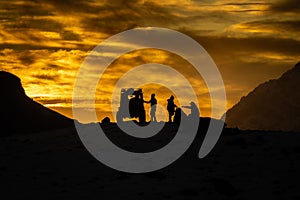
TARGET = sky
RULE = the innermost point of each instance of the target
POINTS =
(45, 42)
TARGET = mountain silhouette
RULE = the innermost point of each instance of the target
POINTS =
(20, 114)
(273, 105)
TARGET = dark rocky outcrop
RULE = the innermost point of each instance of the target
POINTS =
(274, 105)
(20, 114)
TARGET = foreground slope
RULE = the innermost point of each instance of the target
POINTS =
(245, 165)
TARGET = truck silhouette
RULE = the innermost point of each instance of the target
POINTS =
(131, 105)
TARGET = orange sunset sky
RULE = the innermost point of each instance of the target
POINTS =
(44, 42)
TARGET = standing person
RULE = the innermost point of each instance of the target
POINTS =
(195, 113)
(153, 103)
(171, 107)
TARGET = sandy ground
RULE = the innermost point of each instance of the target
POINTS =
(243, 165)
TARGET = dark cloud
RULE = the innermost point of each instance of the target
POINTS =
(57, 100)
(38, 24)
(26, 58)
(70, 36)
(13, 10)
(22, 19)
(286, 6)
(108, 17)
(26, 46)
(275, 24)
(49, 77)
(254, 44)
(247, 10)
(117, 16)
(52, 100)
(245, 4)
(54, 66)
(109, 25)
(71, 7)
(48, 25)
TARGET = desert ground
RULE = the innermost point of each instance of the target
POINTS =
(242, 165)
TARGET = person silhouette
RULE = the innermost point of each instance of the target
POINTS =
(195, 113)
(153, 103)
(179, 115)
(171, 107)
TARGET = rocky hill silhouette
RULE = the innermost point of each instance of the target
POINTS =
(273, 105)
(20, 114)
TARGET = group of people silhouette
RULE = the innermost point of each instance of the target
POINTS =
(172, 109)
(132, 98)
